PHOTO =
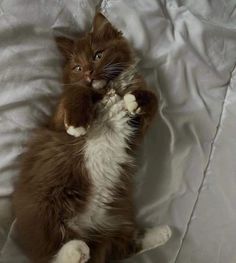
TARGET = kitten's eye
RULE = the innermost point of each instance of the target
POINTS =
(77, 68)
(98, 55)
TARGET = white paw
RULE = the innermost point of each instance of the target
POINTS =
(131, 104)
(74, 251)
(155, 237)
(76, 132)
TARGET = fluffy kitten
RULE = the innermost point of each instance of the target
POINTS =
(73, 200)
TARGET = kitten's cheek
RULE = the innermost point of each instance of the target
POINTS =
(99, 84)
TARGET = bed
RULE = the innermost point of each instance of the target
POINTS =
(187, 168)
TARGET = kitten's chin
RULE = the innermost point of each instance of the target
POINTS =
(99, 84)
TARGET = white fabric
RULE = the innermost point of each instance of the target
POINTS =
(187, 165)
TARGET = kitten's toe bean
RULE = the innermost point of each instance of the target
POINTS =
(131, 103)
(76, 132)
(156, 236)
(74, 251)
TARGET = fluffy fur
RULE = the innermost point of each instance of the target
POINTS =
(73, 200)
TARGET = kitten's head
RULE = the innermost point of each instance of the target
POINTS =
(96, 58)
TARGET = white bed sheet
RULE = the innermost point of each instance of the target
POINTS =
(187, 169)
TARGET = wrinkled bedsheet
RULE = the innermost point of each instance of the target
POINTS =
(187, 171)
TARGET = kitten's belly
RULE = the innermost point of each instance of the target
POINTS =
(105, 151)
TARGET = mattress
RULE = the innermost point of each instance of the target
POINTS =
(187, 169)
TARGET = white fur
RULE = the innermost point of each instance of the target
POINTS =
(76, 132)
(105, 152)
(131, 104)
(99, 84)
(155, 237)
(74, 251)
(128, 98)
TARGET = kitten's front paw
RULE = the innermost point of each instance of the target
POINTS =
(131, 104)
(76, 131)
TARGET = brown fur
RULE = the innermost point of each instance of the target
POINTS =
(54, 184)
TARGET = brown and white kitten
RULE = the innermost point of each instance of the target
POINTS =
(73, 200)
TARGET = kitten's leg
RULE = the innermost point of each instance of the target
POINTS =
(75, 110)
(150, 239)
(78, 111)
(74, 251)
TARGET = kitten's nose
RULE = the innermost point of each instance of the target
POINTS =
(87, 75)
(88, 72)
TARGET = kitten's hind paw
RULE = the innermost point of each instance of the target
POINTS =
(155, 237)
(74, 251)
(76, 131)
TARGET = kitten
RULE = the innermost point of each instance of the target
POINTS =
(73, 200)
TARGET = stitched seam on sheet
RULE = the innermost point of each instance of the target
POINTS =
(8, 237)
(206, 168)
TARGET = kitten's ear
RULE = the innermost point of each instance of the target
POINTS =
(102, 28)
(65, 46)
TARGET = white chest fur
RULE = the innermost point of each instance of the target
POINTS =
(105, 151)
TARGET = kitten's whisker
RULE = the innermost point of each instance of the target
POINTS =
(115, 65)
(111, 74)
(114, 70)
(69, 84)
